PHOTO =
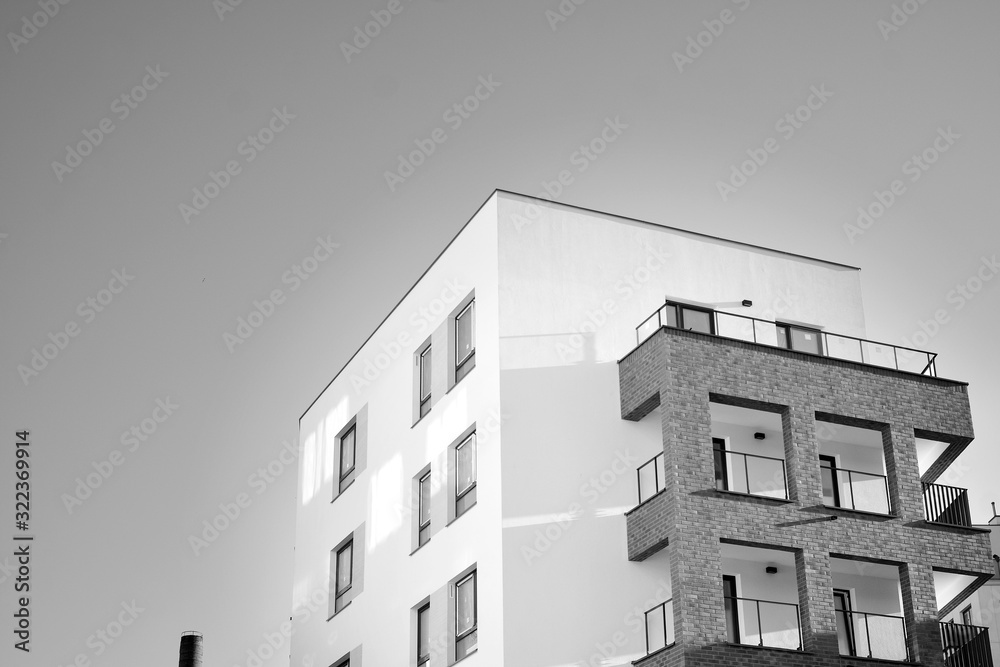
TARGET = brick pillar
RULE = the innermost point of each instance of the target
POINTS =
(816, 615)
(696, 581)
(916, 581)
(901, 469)
(798, 424)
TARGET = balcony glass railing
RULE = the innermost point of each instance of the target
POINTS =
(966, 645)
(856, 490)
(660, 626)
(765, 332)
(649, 477)
(750, 473)
(866, 635)
(947, 504)
(763, 623)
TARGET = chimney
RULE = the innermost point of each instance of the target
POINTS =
(190, 653)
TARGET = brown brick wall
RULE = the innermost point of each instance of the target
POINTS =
(679, 371)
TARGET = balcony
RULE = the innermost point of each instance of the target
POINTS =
(763, 623)
(660, 627)
(966, 645)
(649, 478)
(765, 332)
(855, 490)
(947, 505)
(867, 635)
(751, 474)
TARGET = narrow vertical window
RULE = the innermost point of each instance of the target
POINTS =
(425, 381)
(465, 341)
(466, 629)
(830, 478)
(347, 451)
(424, 635)
(424, 509)
(345, 564)
(465, 475)
(732, 612)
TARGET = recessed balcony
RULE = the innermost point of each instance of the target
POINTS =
(868, 606)
(787, 336)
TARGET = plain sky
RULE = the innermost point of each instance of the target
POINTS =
(694, 87)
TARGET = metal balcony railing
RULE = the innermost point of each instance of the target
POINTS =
(836, 346)
(750, 473)
(864, 491)
(660, 626)
(867, 635)
(947, 504)
(649, 477)
(966, 645)
(764, 623)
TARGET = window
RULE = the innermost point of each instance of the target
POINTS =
(967, 616)
(721, 465)
(730, 598)
(831, 485)
(424, 509)
(349, 457)
(345, 574)
(424, 634)
(681, 316)
(465, 341)
(465, 475)
(801, 339)
(425, 381)
(845, 621)
(466, 629)
(348, 445)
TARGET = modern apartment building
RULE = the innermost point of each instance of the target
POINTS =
(582, 439)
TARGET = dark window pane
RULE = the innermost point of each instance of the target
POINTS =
(425, 374)
(425, 500)
(805, 340)
(465, 605)
(423, 634)
(344, 558)
(347, 452)
(465, 465)
(671, 316)
(465, 337)
(697, 320)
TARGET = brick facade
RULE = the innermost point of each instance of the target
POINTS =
(680, 371)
